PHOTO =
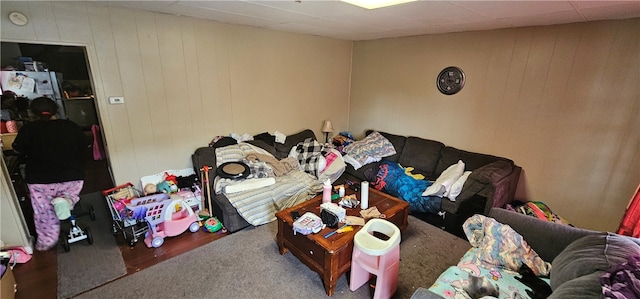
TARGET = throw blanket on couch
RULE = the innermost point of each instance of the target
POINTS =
(259, 205)
(396, 181)
(309, 153)
(497, 244)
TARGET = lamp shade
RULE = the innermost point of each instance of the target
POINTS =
(327, 127)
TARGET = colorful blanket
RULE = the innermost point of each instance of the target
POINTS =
(258, 206)
(451, 283)
(399, 182)
(368, 150)
(500, 246)
(622, 281)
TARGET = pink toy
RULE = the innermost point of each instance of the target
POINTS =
(169, 218)
(372, 255)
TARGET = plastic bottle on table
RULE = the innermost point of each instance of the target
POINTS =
(326, 191)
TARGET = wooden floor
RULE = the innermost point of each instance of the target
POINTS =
(38, 277)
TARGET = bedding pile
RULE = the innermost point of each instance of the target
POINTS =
(401, 183)
(422, 195)
(273, 184)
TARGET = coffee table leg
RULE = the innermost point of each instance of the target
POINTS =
(330, 275)
(280, 238)
(329, 285)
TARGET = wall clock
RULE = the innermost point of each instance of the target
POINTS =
(450, 80)
(18, 18)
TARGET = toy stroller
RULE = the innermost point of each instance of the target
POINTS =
(70, 232)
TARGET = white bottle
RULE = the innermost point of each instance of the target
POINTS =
(341, 191)
(364, 195)
(326, 191)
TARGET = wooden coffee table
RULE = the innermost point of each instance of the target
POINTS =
(331, 257)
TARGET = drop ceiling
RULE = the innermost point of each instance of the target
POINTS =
(340, 20)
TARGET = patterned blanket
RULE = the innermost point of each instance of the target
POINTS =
(399, 182)
(308, 153)
(500, 246)
(258, 206)
(368, 150)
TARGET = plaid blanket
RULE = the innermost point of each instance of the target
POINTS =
(308, 154)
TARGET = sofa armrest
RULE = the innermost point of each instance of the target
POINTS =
(547, 238)
(496, 181)
(204, 156)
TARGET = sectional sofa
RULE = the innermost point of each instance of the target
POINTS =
(578, 259)
(492, 182)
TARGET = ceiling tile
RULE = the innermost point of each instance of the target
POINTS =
(337, 19)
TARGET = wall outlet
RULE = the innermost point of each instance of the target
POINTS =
(116, 100)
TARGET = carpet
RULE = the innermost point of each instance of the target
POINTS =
(247, 264)
(87, 266)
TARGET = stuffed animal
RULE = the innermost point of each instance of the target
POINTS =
(163, 187)
(167, 187)
(170, 178)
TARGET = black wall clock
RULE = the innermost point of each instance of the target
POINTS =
(450, 80)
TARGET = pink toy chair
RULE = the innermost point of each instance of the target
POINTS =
(373, 255)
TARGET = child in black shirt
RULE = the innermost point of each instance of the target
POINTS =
(54, 150)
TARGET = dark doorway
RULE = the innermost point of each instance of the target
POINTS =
(68, 70)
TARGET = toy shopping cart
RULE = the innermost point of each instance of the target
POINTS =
(168, 218)
(117, 200)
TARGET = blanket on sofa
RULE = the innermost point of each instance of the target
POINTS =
(401, 183)
(500, 246)
(259, 205)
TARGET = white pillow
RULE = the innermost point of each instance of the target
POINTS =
(456, 188)
(446, 179)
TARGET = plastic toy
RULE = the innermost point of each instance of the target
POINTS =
(168, 218)
(163, 187)
(76, 234)
(150, 189)
(212, 225)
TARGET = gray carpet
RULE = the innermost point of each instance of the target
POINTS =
(87, 266)
(247, 264)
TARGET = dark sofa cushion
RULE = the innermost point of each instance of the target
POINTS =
(224, 141)
(450, 155)
(204, 156)
(264, 145)
(421, 154)
(587, 286)
(547, 238)
(266, 137)
(397, 141)
(292, 140)
(591, 254)
(492, 172)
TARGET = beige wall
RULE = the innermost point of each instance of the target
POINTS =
(561, 101)
(187, 80)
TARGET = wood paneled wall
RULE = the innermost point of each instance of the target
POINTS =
(187, 80)
(561, 101)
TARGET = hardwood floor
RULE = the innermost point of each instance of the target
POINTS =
(38, 277)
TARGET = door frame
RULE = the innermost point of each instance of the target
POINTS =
(96, 86)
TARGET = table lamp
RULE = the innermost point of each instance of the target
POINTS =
(326, 129)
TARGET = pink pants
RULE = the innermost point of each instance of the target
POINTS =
(44, 216)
